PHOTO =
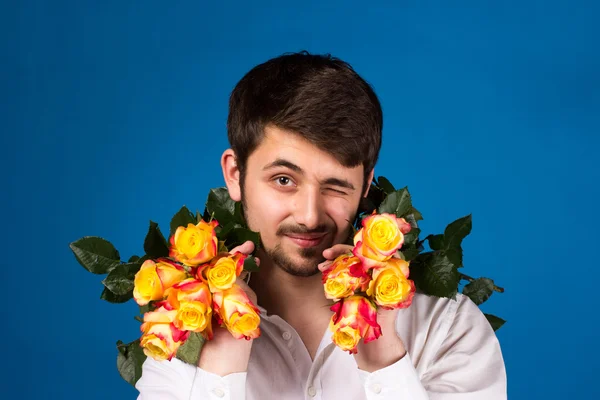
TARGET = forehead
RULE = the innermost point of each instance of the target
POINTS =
(289, 146)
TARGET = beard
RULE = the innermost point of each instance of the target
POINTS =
(303, 262)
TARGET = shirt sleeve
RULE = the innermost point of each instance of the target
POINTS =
(176, 380)
(398, 381)
(467, 366)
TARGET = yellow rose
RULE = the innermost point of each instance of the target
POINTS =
(154, 278)
(379, 238)
(193, 302)
(194, 244)
(390, 288)
(237, 313)
(346, 338)
(344, 277)
(222, 271)
(354, 317)
(160, 339)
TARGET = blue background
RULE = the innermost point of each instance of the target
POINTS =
(113, 113)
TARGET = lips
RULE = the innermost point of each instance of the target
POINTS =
(306, 240)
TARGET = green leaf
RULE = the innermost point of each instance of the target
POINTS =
(455, 255)
(496, 322)
(457, 231)
(479, 290)
(189, 352)
(412, 236)
(250, 264)
(223, 231)
(95, 254)
(120, 280)
(183, 217)
(385, 185)
(146, 308)
(109, 296)
(417, 214)
(238, 214)
(129, 361)
(220, 205)
(435, 275)
(155, 244)
(397, 202)
(410, 253)
(436, 242)
(133, 259)
(238, 236)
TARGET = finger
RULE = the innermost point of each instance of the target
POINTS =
(324, 265)
(245, 248)
(337, 250)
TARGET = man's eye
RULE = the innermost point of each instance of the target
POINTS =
(283, 180)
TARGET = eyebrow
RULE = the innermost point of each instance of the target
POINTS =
(280, 162)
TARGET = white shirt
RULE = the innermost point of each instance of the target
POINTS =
(453, 353)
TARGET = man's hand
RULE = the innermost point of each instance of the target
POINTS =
(388, 348)
(224, 354)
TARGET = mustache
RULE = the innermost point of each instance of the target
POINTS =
(300, 229)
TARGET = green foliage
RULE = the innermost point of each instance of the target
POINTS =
(435, 275)
(155, 244)
(130, 358)
(479, 290)
(494, 321)
(435, 272)
(95, 254)
(189, 352)
(183, 217)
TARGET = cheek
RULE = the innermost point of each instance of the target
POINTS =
(265, 213)
(342, 213)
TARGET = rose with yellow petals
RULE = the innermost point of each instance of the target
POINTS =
(194, 244)
(192, 300)
(344, 277)
(161, 339)
(390, 287)
(222, 271)
(154, 278)
(379, 238)
(355, 318)
(235, 310)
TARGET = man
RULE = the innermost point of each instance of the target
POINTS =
(305, 134)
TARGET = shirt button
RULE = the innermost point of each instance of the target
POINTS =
(376, 388)
(219, 392)
(287, 335)
(312, 391)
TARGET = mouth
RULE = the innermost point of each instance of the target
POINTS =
(306, 241)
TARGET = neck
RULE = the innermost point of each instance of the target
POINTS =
(293, 298)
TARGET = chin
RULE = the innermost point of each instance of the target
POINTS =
(302, 264)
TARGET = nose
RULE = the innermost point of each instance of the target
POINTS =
(308, 208)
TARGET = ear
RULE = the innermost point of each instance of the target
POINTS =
(231, 173)
(371, 175)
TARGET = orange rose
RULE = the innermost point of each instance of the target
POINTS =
(390, 287)
(235, 310)
(194, 244)
(161, 339)
(344, 277)
(192, 301)
(154, 278)
(379, 238)
(222, 271)
(355, 318)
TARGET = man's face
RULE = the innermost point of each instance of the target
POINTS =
(300, 199)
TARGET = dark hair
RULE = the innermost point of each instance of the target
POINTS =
(319, 97)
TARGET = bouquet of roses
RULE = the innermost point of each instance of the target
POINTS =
(190, 289)
(368, 278)
(185, 286)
